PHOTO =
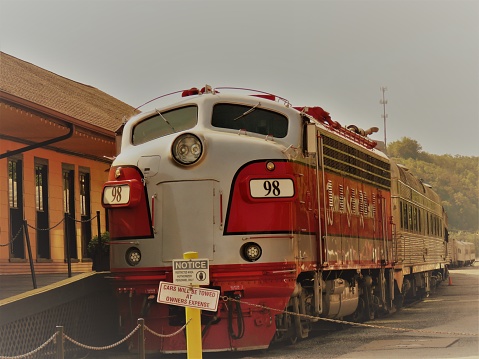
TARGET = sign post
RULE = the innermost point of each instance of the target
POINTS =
(194, 347)
(188, 274)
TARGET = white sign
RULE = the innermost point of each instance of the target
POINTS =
(191, 271)
(271, 187)
(200, 298)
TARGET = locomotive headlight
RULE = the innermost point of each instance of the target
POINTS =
(187, 149)
(133, 256)
(251, 251)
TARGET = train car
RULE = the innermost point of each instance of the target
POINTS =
(455, 249)
(471, 253)
(296, 213)
(461, 253)
(450, 254)
(420, 231)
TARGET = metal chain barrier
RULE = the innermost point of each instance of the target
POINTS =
(11, 241)
(26, 355)
(83, 221)
(107, 347)
(46, 229)
(226, 299)
(168, 335)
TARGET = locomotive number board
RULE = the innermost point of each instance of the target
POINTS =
(116, 194)
(271, 187)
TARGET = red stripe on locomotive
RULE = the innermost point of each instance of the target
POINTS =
(259, 215)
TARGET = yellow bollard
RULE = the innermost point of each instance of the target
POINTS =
(194, 347)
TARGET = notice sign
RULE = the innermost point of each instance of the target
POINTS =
(200, 298)
(191, 271)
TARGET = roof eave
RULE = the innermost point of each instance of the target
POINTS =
(53, 114)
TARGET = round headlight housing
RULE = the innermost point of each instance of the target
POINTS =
(187, 149)
(133, 256)
(251, 251)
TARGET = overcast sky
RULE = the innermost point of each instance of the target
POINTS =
(334, 54)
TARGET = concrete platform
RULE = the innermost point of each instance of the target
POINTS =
(16, 284)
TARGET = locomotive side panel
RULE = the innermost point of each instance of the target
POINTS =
(307, 214)
(356, 205)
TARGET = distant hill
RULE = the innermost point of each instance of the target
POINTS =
(454, 178)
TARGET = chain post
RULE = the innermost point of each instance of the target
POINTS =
(67, 242)
(141, 338)
(194, 345)
(30, 258)
(99, 249)
(59, 345)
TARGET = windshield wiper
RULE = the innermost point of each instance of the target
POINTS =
(248, 111)
(164, 119)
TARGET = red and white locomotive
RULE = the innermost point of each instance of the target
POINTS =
(293, 211)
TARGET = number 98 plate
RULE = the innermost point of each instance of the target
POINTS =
(271, 187)
(116, 194)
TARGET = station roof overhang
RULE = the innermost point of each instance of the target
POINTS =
(37, 126)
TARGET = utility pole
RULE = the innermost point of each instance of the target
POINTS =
(383, 102)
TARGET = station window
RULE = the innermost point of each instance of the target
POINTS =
(39, 188)
(13, 184)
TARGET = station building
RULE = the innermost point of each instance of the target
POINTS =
(57, 141)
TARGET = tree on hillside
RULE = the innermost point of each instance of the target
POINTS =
(454, 178)
(405, 148)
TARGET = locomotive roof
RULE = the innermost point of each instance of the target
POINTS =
(403, 174)
(351, 135)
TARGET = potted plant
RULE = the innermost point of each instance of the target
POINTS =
(99, 251)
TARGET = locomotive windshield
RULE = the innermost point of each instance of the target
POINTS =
(251, 119)
(165, 123)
